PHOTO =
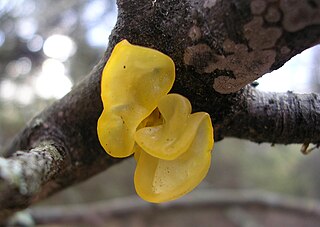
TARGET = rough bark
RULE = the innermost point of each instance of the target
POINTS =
(218, 47)
(282, 118)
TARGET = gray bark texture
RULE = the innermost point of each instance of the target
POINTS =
(219, 47)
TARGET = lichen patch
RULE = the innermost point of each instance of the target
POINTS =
(246, 67)
(257, 7)
(259, 37)
(299, 14)
(198, 56)
(272, 15)
(241, 63)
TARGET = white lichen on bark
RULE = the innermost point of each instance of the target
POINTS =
(242, 63)
(27, 171)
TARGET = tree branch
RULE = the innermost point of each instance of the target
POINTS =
(216, 202)
(67, 130)
(218, 48)
(282, 118)
(23, 175)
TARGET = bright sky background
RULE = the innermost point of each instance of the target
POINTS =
(53, 81)
(295, 75)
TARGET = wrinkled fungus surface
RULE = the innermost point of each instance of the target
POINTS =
(133, 81)
(158, 180)
(171, 146)
(172, 138)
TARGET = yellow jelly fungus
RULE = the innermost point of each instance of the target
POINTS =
(172, 138)
(157, 180)
(153, 119)
(133, 81)
(171, 146)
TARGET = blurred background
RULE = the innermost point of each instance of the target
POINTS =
(47, 46)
